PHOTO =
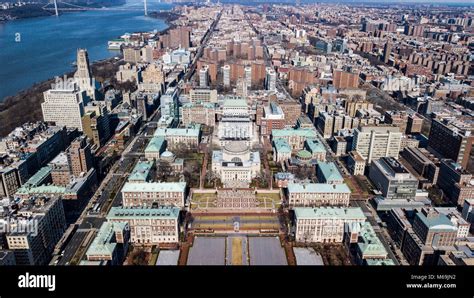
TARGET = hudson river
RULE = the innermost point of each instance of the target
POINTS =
(47, 45)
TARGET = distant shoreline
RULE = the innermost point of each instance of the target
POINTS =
(29, 11)
(25, 106)
(12, 108)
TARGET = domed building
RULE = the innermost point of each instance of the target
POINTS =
(236, 151)
(177, 164)
(304, 156)
(236, 164)
(168, 156)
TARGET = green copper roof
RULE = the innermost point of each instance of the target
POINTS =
(304, 154)
(103, 242)
(141, 171)
(235, 103)
(208, 105)
(287, 132)
(156, 144)
(43, 189)
(315, 146)
(282, 146)
(380, 262)
(329, 171)
(38, 177)
(369, 244)
(440, 222)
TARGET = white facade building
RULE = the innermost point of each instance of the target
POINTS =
(226, 75)
(376, 141)
(64, 105)
(270, 79)
(326, 224)
(149, 226)
(236, 165)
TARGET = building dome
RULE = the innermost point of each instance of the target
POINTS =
(168, 156)
(236, 147)
(303, 155)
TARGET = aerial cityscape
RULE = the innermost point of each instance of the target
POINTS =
(220, 133)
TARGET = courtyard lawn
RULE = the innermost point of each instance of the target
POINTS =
(268, 200)
(203, 200)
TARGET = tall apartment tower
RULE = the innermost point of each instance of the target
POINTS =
(64, 105)
(83, 75)
(452, 139)
(79, 156)
(377, 141)
(226, 75)
(345, 79)
(241, 87)
(387, 49)
(204, 77)
(270, 79)
(248, 76)
(35, 246)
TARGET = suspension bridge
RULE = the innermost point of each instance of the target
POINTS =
(73, 7)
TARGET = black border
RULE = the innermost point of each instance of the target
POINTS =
(238, 281)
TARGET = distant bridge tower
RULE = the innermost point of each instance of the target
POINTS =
(146, 10)
(56, 8)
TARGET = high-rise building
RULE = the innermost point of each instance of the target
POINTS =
(344, 79)
(270, 79)
(453, 139)
(36, 228)
(454, 180)
(272, 118)
(132, 54)
(292, 111)
(241, 88)
(9, 181)
(96, 124)
(64, 105)
(393, 179)
(226, 75)
(423, 162)
(386, 52)
(397, 118)
(434, 228)
(180, 37)
(248, 76)
(376, 141)
(414, 124)
(204, 77)
(79, 156)
(199, 95)
(83, 75)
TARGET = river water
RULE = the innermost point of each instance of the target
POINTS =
(33, 50)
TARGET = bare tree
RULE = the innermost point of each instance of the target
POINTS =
(163, 170)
